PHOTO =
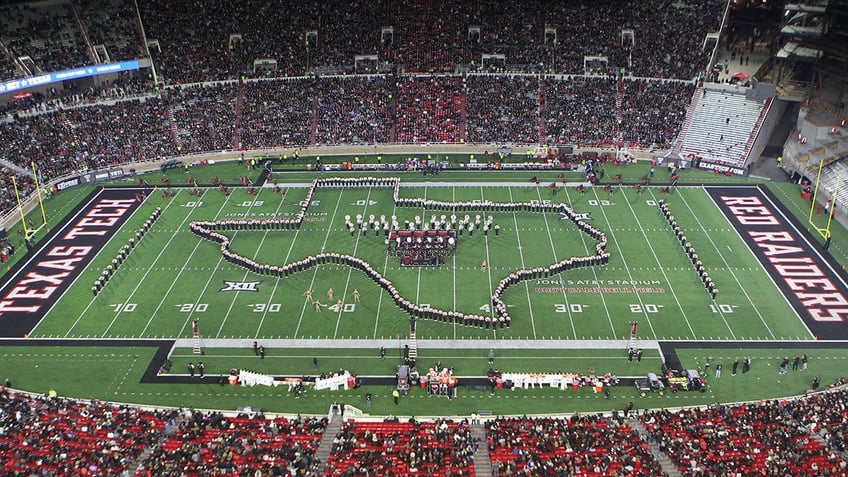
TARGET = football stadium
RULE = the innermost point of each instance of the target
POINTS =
(415, 238)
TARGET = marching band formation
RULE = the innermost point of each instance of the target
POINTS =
(690, 250)
(210, 230)
(125, 251)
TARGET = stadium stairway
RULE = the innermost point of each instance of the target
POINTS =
(322, 453)
(239, 109)
(687, 122)
(667, 465)
(413, 346)
(542, 110)
(463, 117)
(313, 122)
(175, 134)
(619, 106)
(393, 115)
(482, 461)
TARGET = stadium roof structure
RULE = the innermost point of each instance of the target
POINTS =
(826, 32)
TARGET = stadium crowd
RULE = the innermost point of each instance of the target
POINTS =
(826, 414)
(52, 435)
(62, 129)
(77, 139)
(276, 114)
(25, 185)
(113, 25)
(355, 110)
(204, 116)
(191, 41)
(430, 109)
(581, 111)
(429, 37)
(503, 107)
(49, 435)
(43, 37)
(765, 438)
(581, 445)
(653, 112)
(437, 448)
(209, 443)
(65, 137)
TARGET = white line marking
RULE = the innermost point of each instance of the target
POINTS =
(521, 253)
(350, 269)
(315, 273)
(624, 262)
(553, 250)
(724, 260)
(657, 259)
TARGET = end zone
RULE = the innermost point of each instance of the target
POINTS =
(807, 276)
(39, 281)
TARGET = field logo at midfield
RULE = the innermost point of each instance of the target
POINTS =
(240, 286)
(812, 284)
(580, 216)
(40, 281)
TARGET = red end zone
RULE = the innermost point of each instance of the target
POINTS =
(810, 279)
(39, 281)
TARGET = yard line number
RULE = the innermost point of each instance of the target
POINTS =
(569, 308)
(124, 307)
(723, 308)
(646, 308)
(266, 307)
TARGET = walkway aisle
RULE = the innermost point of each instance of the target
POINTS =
(322, 453)
(667, 465)
(482, 462)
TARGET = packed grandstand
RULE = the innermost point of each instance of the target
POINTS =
(229, 76)
(425, 86)
(45, 435)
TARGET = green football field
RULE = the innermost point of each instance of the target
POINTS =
(173, 276)
(568, 322)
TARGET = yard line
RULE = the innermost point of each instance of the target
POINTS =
(662, 269)
(147, 272)
(453, 199)
(418, 284)
(208, 280)
(762, 319)
(385, 270)
(624, 262)
(521, 254)
(315, 273)
(247, 272)
(350, 269)
(553, 250)
(594, 272)
(244, 277)
(118, 312)
(277, 281)
(726, 265)
(488, 268)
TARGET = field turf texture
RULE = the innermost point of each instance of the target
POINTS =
(569, 323)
